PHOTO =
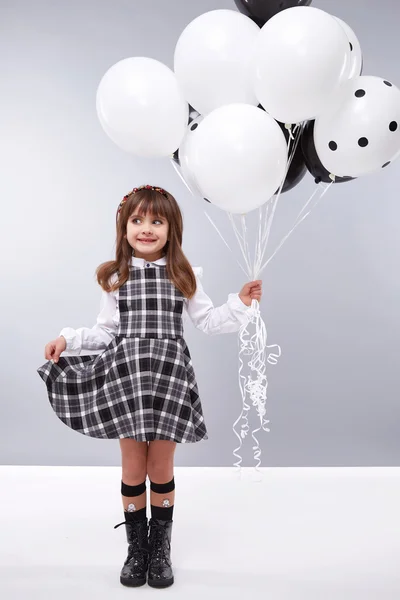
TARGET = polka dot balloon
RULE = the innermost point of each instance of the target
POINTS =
(360, 132)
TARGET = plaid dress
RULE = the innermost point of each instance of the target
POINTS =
(143, 385)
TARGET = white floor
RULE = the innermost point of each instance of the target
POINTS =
(323, 534)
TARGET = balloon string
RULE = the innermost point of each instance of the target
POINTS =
(178, 170)
(254, 387)
(307, 203)
(244, 233)
(223, 239)
(241, 241)
(288, 126)
(298, 221)
(265, 233)
(262, 234)
(258, 243)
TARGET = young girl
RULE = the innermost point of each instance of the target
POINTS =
(141, 389)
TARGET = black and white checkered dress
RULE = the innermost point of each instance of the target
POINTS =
(143, 385)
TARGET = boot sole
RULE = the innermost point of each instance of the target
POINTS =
(160, 584)
(132, 582)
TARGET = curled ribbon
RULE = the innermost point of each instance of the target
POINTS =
(254, 386)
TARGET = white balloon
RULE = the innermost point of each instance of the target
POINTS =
(141, 107)
(237, 157)
(212, 60)
(356, 58)
(301, 56)
(361, 133)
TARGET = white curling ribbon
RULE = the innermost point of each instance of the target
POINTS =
(254, 386)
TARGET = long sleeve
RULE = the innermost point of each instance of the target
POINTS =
(226, 318)
(100, 335)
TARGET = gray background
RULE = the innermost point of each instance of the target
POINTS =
(331, 295)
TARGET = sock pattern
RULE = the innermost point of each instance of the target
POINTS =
(129, 491)
(165, 512)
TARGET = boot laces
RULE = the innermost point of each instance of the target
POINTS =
(132, 546)
(156, 540)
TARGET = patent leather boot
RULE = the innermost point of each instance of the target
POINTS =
(160, 572)
(134, 570)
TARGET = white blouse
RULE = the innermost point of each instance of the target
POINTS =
(212, 320)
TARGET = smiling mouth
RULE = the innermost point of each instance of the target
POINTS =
(147, 241)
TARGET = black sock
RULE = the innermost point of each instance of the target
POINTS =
(137, 515)
(162, 513)
(132, 492)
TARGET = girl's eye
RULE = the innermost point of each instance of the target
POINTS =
(155, 220)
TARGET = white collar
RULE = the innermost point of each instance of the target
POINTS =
(141, 262)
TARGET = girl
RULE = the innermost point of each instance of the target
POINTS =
(141, 389)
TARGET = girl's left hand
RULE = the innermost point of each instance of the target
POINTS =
(251, 291)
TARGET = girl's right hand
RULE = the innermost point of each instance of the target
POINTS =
(53, 349)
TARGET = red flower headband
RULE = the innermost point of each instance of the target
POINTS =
(137, 189)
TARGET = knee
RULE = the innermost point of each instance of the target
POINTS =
(160, 471)
(134, 461)
(133, 477)
(160, 461)
(134, 472)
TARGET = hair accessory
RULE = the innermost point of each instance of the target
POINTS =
(137, 189)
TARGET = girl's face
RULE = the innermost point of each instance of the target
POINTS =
(147, 235)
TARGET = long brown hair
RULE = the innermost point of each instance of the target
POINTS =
(179, 270)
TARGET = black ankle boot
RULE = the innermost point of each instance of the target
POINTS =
(160, 567)
(134, 571)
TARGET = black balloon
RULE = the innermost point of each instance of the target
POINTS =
(260, 11)
(297, 168)
(175, 156)
(313, 163)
